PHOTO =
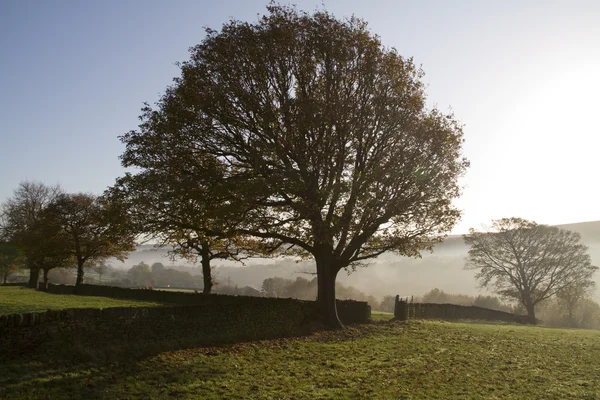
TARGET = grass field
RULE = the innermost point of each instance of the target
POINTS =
(381, 316)
(16, 300)
(416, 360)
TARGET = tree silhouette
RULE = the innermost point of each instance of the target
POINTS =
(527, 262)
(321, 138)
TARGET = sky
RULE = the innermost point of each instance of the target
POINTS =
(522, 76)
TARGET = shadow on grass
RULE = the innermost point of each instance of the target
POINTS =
(80, 371)
(149, 369)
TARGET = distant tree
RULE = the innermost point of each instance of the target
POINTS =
(11, 260)
(527, 262)
(276, 287)
(589, 314)
(96, 230)
(173, 277)
(20, 219)
(584, 314)
(65, 276)
(440, 297)
(321, 136)
(572, 296)
(140, 275)
(491, 302)
(157, 268)
(302, 288)
(101, 269)
(388, 303)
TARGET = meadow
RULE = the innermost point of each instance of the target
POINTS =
(384, 360)
(18, 300)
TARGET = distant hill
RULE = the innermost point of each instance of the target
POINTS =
(388, 274)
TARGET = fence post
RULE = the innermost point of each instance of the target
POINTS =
(401, 309)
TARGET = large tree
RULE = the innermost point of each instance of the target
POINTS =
(527, 262)
(96, 229)
(322, 136)
(22, 220)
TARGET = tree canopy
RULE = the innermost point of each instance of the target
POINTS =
(24, 224)
(95, 229)
(11, 259)
(184, 210)
(320, 135)
(527, 262)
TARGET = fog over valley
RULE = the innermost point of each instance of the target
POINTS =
(388, 274)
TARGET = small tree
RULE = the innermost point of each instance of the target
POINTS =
(95, 229)
(527, 262)
(572, 296)
(20, 219)
(388, 303)
(157, 268)
(181, 210)
(11, 260)
(275, 287)
(141, 275)
(321, 137)
(101, 269)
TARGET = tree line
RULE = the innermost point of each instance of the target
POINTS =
(43, 228)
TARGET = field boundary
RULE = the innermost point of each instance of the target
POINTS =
(214, 319)
(405, 310)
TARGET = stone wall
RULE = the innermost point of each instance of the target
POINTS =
(404, 311)
(200, 320)
(168, 327)
(349, 311)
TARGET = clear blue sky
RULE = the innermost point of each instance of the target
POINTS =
(523, 76)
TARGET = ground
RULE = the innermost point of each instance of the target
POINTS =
(414, 360)
(18, 300)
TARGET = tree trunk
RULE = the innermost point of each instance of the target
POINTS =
(45, 284)
(531, 313)
(571, 318)
(4, 278)
(79, 280)
(206, 272)
(34, 276)
(326, 274)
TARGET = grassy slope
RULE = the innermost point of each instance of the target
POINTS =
(418, 360)
(16, 300)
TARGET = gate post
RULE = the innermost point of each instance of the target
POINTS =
(400, 309)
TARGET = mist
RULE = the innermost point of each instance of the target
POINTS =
(389, 274)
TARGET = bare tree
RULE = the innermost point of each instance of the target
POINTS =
(572, 296)
(527, 262)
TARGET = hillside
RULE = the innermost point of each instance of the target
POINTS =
(388, 274)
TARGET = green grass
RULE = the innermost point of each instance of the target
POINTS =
(381, 316)
(178, 290)
(18, 300)
(415, 360)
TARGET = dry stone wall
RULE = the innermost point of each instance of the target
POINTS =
(198, 320)
(404, 311)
